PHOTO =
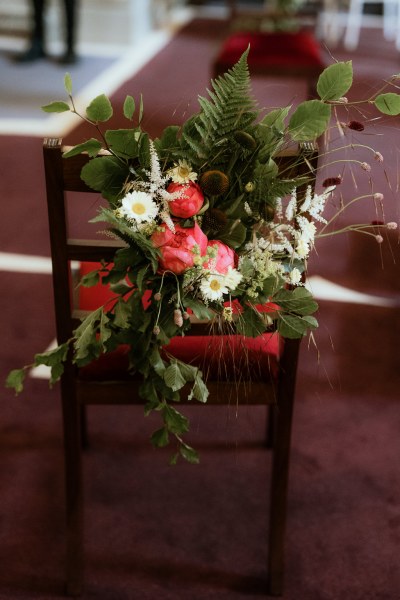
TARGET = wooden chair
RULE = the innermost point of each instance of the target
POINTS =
(275, 388)
(273, 53)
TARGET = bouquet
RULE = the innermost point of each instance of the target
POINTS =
(210, 228)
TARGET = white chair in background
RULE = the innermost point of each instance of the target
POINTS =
(390, 22)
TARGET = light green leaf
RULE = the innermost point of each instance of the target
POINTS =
(335, 81)
(99, 109)
(92, 147)
(129, 107)
(68, 83)
(198, 308)
(174, 420)
(105, 331)
(388, 104)
(56, 107)
(54, 359)
(157, 362)
(309, 120)
(173, 377)
(15, 380)
(90, 279)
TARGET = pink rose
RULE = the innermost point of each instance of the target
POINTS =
(177, 248)
(190, 203)
(225, 257)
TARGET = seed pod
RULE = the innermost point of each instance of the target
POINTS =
(214, 183)
(245, 140)
(214, 220)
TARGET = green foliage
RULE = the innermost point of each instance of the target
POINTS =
(123, 142)
(106, 174)
(92, 147)
(309, 120)
(100, 109)
(388, 104)
(55, 360)
(129, 107)
(335, 81)
(15, 380)
(56, 107)
(68, 84)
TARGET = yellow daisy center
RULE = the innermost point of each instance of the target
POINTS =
(138, 208)
(183, 171)
(215, 285)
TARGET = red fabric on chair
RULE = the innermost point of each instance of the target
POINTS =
(216, 356)
(271, 50)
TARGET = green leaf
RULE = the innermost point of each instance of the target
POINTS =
(388, 104)
(122, 313)
(90, 279)
(160, 438)
(85, 334)
(99, 109)
(123, 142)
(251, 323)
(299, 301)
(144, 150)
(129, 107)
(56, 107)
(68, 83)
(173, 377)
(309, 120)
(189, 454)
(174, 420)
(157, 362)
(92, 147)
(235, 235)
(200, 390)
(105, 331)
(200, 311)
(140, 109)
(105, 174)
(293, 327)
(335, 81)
(54, 359)
(15, 379)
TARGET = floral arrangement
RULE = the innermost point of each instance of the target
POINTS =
(209, 226)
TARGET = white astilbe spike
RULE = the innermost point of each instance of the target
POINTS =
(291, 207)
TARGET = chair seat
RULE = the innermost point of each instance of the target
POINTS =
(254, 359)
(296, 51)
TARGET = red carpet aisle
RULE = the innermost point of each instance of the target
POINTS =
(198, 533)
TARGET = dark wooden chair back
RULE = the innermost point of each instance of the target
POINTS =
(62, 177)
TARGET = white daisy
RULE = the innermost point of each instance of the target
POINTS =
(182, 172)
(232, 278)
(139, 207)
(295, 276)
(213, 286)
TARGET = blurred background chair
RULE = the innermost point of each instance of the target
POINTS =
(281, 39)
(270, 379)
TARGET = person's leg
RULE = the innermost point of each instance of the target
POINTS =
(36, 48)
(70, 22)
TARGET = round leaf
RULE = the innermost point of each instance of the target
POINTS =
(388, 104)
(335, 81)
(309, 120)
(99, 109)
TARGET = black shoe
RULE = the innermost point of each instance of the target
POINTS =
(69, 58)
(34, 52)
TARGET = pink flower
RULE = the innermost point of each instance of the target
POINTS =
(191, 201)
(225, 257)
(177, 248)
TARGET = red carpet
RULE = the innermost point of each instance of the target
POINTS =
(199, 533)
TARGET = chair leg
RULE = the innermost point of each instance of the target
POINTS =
(73, 487)
(84, 427)
(280, 468)
(270, 432)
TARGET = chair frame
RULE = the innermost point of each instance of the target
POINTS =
(63, 175)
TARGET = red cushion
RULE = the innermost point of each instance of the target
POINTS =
(217, 356)
(268, 50)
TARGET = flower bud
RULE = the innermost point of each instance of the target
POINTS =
(378, 197)
(379, 239)
(365, 166)
(356, 125)
(157, 296)
(378, 156)
(391, 225)
(178, 318)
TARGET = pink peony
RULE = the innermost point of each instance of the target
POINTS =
(177, 248)
(225, 257)
(190, 203)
